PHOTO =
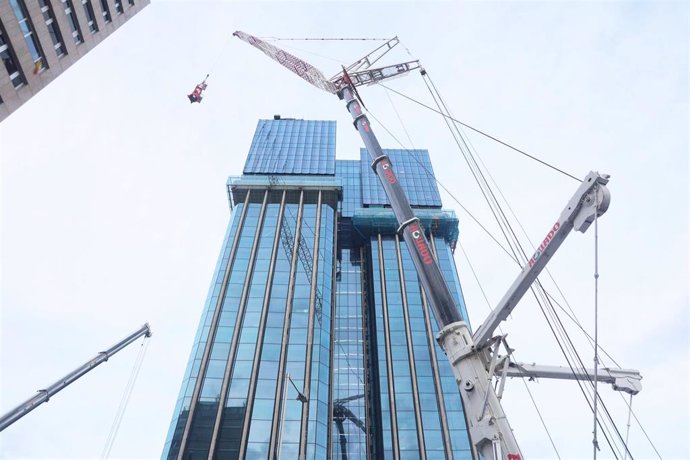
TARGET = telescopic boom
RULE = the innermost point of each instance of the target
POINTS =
(44, 395)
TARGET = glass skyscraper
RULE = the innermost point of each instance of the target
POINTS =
(316, 341)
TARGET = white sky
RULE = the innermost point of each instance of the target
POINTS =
(114, 205)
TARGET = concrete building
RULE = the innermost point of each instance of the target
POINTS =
(40, 39)
(316, 341)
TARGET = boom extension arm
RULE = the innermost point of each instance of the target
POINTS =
(592, 197)
(627, 380)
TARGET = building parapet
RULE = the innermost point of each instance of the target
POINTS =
(441, 222)
(238, 185)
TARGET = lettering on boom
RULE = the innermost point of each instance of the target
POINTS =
(388, 172)
(544, 244)
(420, 244)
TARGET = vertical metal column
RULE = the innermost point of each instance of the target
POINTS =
(389, 354)
(212, 331)
(310, 334)
(232, 354)
(262, 331)
(331, 359)
(437, 374)
(365, 355)
(410, 354)
(274, 445)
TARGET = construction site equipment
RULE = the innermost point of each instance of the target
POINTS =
(45, 394)
(474, 358)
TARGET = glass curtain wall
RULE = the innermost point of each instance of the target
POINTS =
(268, 316)
(419, 405)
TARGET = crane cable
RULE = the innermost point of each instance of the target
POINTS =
(555, 323)
(578, 377)
(522, 378)
(482, 133)
(596, 319)
(324, 39)
(496, 210)
(119, 415)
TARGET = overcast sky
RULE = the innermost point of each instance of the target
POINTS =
(114, 204)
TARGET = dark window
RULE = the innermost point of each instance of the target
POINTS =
(118, 6)
(106, 11)
(10, 60)
(90, 16)
(28, 31)
(53, 29)
(73, 22)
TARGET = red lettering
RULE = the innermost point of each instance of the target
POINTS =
(514, 457)
(388, 173)
(544, 244)
(422, 248)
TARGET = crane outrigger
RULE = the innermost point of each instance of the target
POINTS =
(474, 357)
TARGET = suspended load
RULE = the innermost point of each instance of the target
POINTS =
(196, 95)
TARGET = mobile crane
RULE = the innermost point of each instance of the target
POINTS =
(44, 395)
(473, 357)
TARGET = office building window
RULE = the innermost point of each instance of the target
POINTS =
(28, 31)
(73, 22)
(90, 16)
(118, 7)
(106, 11)
(131, 2)
(10, 60)
(53, 29)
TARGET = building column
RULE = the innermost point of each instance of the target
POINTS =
(212, 331)
(262, 331)
(389, 355)
(410, 353)
(276, 428)
(238, 326)
(447, 446)
(310, 333)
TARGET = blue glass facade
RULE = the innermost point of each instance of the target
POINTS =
(287, 146)
(314, 296)
(414, 171)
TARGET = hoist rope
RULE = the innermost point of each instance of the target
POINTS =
(482, 133)
(453, 197)
(573, 318)
(556, 326)
(467, 258)
(642, 428)
(529, 392)
(596, 320)
(627, 431)
(119, 415)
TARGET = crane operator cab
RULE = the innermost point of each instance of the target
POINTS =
(196, 95)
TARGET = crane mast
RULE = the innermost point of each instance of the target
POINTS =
(474, 359)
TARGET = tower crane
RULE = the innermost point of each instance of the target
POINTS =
(473, 357)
